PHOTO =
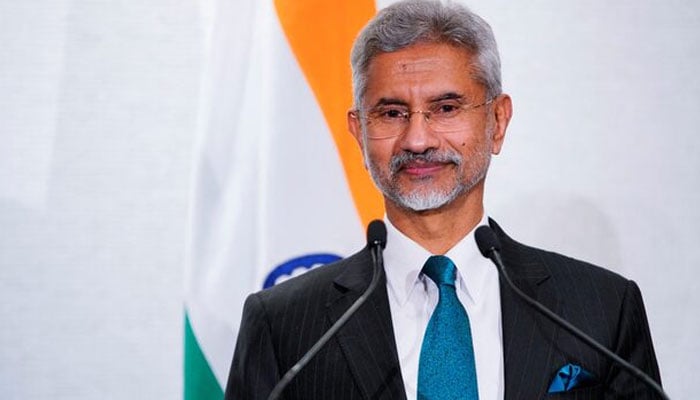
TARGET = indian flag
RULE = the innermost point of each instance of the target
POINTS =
(279, 183)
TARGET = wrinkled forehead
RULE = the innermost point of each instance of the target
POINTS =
(421, 70)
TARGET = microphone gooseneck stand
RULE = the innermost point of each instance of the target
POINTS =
(376, 241)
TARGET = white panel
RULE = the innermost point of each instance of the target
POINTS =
(30, 81)
(101, 108)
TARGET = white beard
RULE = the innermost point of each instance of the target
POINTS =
(432, 198)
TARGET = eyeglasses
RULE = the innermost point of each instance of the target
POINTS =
(388, 121)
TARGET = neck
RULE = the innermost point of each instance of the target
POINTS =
(439, 230)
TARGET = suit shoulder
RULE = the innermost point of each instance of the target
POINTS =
(558, 265)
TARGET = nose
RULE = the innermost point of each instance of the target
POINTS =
(418, 136)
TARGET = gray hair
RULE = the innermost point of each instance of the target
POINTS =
(412, 22)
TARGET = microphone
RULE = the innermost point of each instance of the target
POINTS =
(376, 242)
(490, 247)
(376, 234)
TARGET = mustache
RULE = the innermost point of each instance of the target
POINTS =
(399, 161)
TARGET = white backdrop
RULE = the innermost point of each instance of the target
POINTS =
(98, 109)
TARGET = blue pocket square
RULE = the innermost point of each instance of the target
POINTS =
(569, 377)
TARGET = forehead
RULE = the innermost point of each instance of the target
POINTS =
(420, 71)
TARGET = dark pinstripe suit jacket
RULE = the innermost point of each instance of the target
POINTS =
(280, 324)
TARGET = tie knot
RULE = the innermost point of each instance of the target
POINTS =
(441, 270)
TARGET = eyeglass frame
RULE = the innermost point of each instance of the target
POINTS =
(406, 116)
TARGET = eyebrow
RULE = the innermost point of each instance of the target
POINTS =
(396, 101)
(446, 96)
(390, 101)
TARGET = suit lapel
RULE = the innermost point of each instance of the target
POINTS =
(367, 339)
(528, 338)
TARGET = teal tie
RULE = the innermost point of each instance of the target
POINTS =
(446, 370)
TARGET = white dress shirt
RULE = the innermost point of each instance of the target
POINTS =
(413, 297)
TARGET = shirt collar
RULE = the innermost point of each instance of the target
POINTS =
(404, 260)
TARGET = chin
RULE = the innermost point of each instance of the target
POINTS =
(420, 202)
(432, 199)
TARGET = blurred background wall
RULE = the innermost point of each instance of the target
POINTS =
(98, 120)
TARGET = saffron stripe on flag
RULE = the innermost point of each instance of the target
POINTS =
(322, 49)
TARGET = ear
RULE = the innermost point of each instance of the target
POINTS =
(355, 128)
(502, 112)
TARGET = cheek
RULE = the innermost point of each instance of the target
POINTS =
(372, 159)
(379, 153)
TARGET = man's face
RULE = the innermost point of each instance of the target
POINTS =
(419, 168)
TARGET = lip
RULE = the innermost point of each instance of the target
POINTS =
(420, 169)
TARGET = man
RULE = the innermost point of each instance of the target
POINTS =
(429, 113)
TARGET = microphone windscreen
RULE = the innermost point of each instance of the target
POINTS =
(376, 233)
(486, 240)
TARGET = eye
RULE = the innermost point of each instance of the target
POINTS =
(388, 114)
(393, 113)
(445, 109)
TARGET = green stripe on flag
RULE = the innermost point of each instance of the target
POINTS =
(200, 382)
